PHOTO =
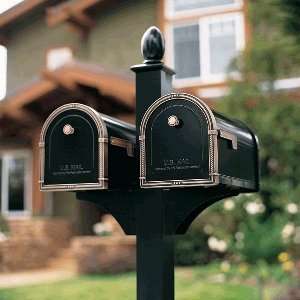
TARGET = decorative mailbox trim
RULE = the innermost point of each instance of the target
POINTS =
(102, 149)
(213, 145)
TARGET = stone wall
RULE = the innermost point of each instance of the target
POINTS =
(110, 254)
(32, 242)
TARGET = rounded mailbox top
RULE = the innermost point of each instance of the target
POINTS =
(153, 45)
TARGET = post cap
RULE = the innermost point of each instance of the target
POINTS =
(153, 45)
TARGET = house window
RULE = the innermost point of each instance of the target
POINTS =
(187, 45)
(203, 51)
(58, 57)
(15, 183)
(201, 47)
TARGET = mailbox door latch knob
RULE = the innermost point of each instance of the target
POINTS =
(68, 129)
(173, 121)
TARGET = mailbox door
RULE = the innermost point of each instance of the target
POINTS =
(71, 151)
(177, 147)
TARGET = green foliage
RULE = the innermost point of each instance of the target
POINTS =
(192, 248)
(261, 241)
(3, 225)
(252, 229)
(274, 117)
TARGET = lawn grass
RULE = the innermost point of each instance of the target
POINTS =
(189, 286)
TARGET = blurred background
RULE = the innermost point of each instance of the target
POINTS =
(242, 57)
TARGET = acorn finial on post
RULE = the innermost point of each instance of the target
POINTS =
(152, 45)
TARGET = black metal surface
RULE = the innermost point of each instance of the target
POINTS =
(239, 168)
(188, 154)
(74, 158)
(152, 45)
(179, 152)
(71, 158)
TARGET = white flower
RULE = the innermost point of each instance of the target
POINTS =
(254, 207)
(208, 229)
(217, 245)
(229, 204)
(292, 208)
(239, 236)
(101, 228)
(288, 230)
(222, 246)
(3, 237)
(212, 243)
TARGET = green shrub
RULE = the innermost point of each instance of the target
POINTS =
(3, 225)
(192, 248)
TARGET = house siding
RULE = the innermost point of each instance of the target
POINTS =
(27, 47)
(115, 40)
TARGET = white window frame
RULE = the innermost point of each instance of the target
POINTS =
(3, 72)
(49, 52)
(170, 12)
(5, 156)
(205, 75)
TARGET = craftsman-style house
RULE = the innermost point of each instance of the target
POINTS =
(81, 50)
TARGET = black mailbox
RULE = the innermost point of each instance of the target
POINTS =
(184, 143)
(82, 149)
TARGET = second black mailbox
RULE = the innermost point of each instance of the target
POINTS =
(81, 149)
(184, 143)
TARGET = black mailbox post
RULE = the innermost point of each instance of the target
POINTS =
(81, 149)
(189, 157)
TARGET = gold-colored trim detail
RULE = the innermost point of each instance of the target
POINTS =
(123, 144)
(102, 149)
(212, 142)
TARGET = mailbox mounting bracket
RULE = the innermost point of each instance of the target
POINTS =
(123, 144)
(230, 137)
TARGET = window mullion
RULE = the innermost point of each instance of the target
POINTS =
(27, 188)
(204, 48)
(5, 185)
(239, 32)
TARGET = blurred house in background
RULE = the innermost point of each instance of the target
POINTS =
(81, 51)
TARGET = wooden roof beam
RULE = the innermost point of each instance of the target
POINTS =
(23, 117)
(61, 79)
(81, 19)
(72, 10)
(19, 10)
(26, 96)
